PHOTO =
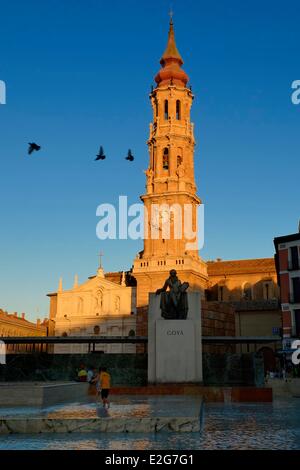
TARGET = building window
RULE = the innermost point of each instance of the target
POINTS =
(166, 159)
(166, 110)
(96, 329)
(297, 322)
(294, 257)
(65, 334)
(268, 290)
(179, 160)
(178, 110)
(247, 291)
(296, 289)
(131, 333)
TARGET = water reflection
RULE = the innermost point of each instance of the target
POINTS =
(121, 406)
(229, 426)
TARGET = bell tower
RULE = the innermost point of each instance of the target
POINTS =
(171, 203)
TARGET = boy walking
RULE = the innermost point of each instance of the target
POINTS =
(105, 382)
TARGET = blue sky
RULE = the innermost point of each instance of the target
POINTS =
(78, 74)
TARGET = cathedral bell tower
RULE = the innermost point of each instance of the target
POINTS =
(171, 203)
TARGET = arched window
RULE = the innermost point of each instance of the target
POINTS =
(268, 290)
(65, 334)
(179, 160)
(178, 110)
(166, 158)
(247, 291)
(166, 109)
(131, 333)
(96, 329)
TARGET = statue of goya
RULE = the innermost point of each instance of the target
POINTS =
(174, 300)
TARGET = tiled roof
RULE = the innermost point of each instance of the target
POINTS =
(242, 266)
(19, 320)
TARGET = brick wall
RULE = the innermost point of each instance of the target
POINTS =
(218, 319)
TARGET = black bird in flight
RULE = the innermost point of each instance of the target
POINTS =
(100, 155)
(33, 147)
(129, 157)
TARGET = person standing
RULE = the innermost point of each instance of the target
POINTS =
(105, 384)
(96, 381)
(82, 374)
(92, 375)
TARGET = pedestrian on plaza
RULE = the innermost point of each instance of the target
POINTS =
(90, 374)
(105, 384)
(284, 374)
(82, 374)
(92, 381)
(96, 381)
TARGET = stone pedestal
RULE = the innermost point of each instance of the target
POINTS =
(174, 346)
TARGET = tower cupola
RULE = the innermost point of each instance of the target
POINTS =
(171, 63)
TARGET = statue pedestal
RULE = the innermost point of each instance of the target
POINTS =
(174, 346)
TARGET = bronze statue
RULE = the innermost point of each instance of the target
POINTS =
(174, 302)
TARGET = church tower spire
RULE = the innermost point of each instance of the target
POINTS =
(171, 51)
(171, 63)
(170, 183)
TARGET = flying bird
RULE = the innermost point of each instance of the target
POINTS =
(33, 147)
(100, 155)
(129, 157)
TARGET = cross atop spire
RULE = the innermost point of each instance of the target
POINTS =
(100, 271)
(100, 259)
(171, 51)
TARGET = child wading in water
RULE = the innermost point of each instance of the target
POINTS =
(105, 380)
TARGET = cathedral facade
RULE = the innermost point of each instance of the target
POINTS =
(98, 307)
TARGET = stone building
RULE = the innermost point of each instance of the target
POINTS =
(98, 307)
(250, 286)
(13, 325)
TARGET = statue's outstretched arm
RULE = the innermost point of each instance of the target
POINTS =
(163, 289)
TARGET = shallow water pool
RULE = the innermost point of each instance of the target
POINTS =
(225, 426)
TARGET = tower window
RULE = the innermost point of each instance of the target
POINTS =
(178, 110)
(166, 159)
(179, 160)
(166, 109)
